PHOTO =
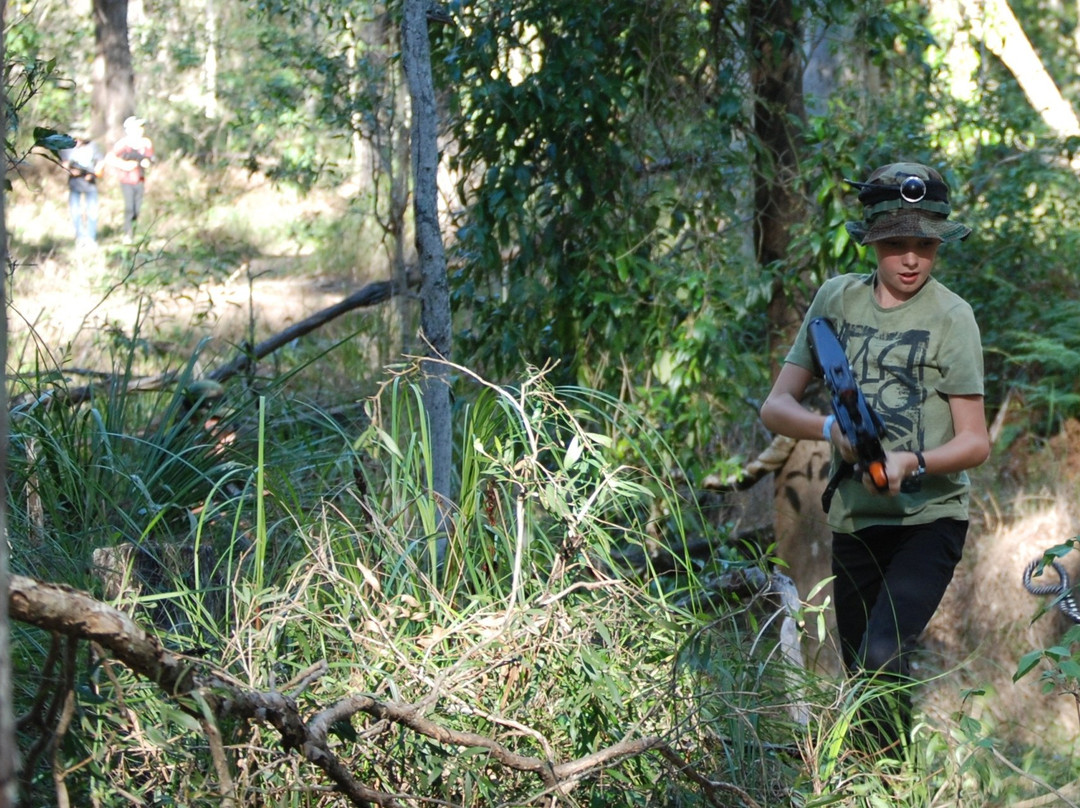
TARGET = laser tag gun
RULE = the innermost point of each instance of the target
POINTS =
(858, 421)
(133, 155)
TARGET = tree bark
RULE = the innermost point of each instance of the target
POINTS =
(776, 78)
(8, 762)
(994, 22)
(434, 285)
(113, 96)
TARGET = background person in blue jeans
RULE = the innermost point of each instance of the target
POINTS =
(84, 164)
(914, 348)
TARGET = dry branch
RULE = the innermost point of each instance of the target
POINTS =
(70, 612)
(370, 295)
(83, 393)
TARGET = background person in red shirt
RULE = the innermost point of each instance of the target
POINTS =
(129, 160)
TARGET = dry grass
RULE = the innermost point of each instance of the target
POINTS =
(987, 620)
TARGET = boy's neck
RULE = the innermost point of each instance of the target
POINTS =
(887, 298)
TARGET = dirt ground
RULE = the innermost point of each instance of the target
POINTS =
(65, 301)
(988, 620)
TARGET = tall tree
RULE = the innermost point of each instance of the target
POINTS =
(996, 24)
(8, 782)
(114, 77)
(779, 116)
(434, 288)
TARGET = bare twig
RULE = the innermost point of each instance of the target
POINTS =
(1058, 793)
(59, 774)
(711, 787)
(208, 721)
(34, 717)
(53, 723)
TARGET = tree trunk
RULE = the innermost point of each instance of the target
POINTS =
(776, 78)
(434, 284)
(391, 150)
(210, 62)
(113, 97)
(7, 713)
(995, 23)
(776, 75)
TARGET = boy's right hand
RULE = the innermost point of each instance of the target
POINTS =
(838, 439)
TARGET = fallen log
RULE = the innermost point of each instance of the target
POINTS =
(370, 295)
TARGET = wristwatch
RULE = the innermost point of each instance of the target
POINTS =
(921, 469)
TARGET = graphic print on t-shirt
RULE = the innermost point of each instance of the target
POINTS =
(890, 368)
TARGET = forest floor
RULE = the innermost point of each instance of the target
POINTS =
(208, 269)
(1026, 500)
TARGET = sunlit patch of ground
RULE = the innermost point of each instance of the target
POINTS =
(988, 621)
(69, 311)
(224, 262)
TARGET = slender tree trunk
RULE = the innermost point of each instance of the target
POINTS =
(210, 61)
(8, 753)
(113, 96)
(393, 146)
(434, 285)
(779, 204)
(996, 24)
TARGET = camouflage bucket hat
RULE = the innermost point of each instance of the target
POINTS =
(905, 200)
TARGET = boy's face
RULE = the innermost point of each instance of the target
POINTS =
(904, 265)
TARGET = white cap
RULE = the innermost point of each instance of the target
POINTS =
(133, 122)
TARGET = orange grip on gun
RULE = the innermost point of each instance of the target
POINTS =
(877, 473)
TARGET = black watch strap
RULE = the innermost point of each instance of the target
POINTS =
(921, 470)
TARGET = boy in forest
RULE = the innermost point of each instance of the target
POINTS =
(914, 348)
(130, 160)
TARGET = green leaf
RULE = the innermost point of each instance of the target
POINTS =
(573, 453)
(1027, 662)
(1070, 668)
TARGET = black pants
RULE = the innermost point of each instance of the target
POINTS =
(889, 582)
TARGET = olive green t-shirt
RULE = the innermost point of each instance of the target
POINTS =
(908, 360)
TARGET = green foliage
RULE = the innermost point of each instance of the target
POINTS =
(604, 162)
(600, 231)
(37, 83)
(533, 632)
